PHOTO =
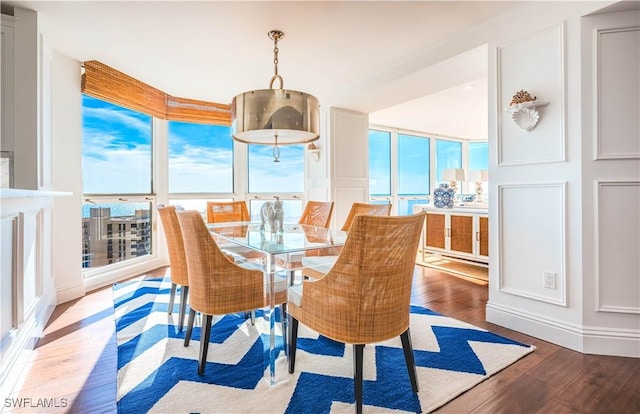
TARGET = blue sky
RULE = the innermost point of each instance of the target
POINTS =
(116, 149)
(117, 156)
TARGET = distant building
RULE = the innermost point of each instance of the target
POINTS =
(107, 240)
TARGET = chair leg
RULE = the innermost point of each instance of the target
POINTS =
(187, 337)
(293, 342)
(172, 297)
(184, 295)
(358, 351)
(205, 333)
(409, 359)
(285, 324)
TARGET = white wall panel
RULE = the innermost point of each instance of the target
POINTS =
(8, 277)
(532, 241)
(617, 260)
(349, 145)
(30, 239)
(535, 64)
(618, 110)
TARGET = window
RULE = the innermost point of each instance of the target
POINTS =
(413, 172)
(448, 155)
(405, 168)
(478, 160)
(200, 158)
(116, 149)
(267, 176)
(117, 184)
(379, 163)
(478, 156)
(268, 179)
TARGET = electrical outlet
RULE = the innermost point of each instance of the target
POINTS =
(549, 280)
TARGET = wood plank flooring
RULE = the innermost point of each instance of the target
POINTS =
(74, 363)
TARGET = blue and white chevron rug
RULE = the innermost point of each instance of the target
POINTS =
(156, 373)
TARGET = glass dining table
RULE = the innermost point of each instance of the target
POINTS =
(278, 251)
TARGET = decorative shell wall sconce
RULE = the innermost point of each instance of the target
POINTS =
(523, 110)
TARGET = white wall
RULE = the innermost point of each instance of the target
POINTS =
(342, 172)
(542, 216)
(349, 160)
(67, 173)
(26, 215)
(611, 182)
(542, 210)
(26, 99)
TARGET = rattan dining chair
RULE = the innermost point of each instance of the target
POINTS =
(177, 260)
(230, 212)
(358, 209)
(316, 266)
(365, 297)
(227, 211)
(218, 285)
(317, 213)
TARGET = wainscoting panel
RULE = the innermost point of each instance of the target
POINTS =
(617, 262)
(349, 141)
(617, 121)
(532, 241)
(8, 278)
(31, 261)
(521, 67)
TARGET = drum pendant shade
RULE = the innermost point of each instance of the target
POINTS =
(257, 116)
(275, 116)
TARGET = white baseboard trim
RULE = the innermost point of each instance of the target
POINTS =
(109, 278)
(69, 293)
(608, 341)
(587, 340)
(556, 332)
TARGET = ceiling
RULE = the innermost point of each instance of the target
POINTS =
(357, 55)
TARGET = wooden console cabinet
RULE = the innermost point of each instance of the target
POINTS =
(462, 233)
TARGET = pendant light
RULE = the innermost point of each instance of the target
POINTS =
(275, 116)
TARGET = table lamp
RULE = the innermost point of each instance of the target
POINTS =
(453, 175)
(478, 177)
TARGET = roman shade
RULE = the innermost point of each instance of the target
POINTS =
(103, 82)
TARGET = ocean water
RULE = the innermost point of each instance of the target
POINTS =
(117, 209)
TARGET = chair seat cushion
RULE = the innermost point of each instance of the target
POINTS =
(295, 294)
(320, 264)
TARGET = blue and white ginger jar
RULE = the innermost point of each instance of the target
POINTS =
(443, 196)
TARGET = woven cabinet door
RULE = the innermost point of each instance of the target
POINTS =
(483, 236)
(435, 230)
(462, 234)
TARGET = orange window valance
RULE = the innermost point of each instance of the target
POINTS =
(104, 82)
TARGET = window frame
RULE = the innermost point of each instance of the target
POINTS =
(394, 197)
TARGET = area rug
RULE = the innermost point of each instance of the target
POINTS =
(156, 373)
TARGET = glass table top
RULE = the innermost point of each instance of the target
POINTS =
(293, 237)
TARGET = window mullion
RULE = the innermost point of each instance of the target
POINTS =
(394, 172)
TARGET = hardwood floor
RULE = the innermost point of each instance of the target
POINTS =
(73, 366)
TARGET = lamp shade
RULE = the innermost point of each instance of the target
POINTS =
(258, 116)
(479, 175)
(453, 174)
